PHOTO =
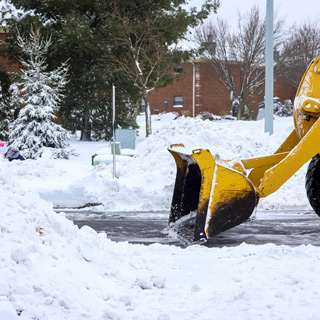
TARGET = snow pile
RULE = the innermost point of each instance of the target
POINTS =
(51, 270)
(155, 168)
(146, 181)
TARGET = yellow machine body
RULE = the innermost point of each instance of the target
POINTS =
(213, 195)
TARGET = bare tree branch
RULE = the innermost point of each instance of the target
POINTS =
(237, 54)
(302, 45)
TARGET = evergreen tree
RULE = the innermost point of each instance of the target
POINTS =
(77, 36)
(10, 104)
(33, 130)
(98, 37)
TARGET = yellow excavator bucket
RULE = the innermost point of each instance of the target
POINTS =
(213, 195)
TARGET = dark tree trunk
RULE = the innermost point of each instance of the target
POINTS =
(86, 130)
(241, 107)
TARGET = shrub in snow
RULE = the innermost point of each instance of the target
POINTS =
(283, 110)
(33, 130)
(208, 116)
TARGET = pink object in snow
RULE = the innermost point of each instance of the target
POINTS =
(3, 148)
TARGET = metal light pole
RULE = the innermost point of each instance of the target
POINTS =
(268, 100)
(113, 129)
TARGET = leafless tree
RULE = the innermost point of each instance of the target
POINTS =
(144, 44)
(302, 45)
(143, 57)
(237, 57)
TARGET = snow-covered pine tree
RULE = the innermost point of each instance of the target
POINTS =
(33, 130)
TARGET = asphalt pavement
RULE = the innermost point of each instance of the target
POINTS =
(291, 228)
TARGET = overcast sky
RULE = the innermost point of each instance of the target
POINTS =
(293, 11)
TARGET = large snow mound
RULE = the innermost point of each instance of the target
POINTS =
(146, 181)
(52, 270)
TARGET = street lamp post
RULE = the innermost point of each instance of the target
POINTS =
(269, 69)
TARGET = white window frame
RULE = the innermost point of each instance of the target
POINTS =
(179, 103)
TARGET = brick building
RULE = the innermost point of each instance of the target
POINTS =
(199, 91)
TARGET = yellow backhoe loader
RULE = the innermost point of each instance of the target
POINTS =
(213, 195)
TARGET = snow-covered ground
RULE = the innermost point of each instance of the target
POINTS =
(49, 269)
(145, 181)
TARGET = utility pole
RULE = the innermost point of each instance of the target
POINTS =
(268, 100)
(113, 129)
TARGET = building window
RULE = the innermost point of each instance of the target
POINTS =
(178, 68)
(178, 102)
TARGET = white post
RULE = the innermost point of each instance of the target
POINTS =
(193, 89)
(268, 100)
(113, 129)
